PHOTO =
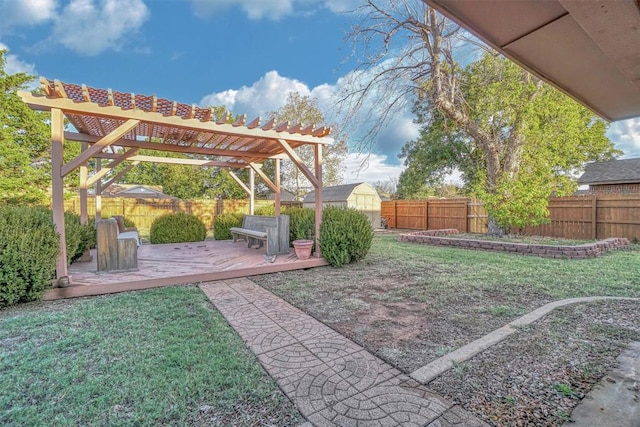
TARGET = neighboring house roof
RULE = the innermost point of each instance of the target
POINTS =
(336, 193)
(135, 190)
(285, 196)
(622, 171)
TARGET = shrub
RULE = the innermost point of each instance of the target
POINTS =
(224, 222)
(78, 237)
(266, 210)
(128, 222)
(345, 235)
(176, 228)
(28, 253)
(302, 223)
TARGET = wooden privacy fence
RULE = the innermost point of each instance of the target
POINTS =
(143, 211)
(575, 217)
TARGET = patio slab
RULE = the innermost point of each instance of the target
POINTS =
(331, 380)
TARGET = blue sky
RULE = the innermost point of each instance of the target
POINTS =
(245, 54)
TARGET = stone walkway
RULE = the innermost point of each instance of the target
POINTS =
(331, 380)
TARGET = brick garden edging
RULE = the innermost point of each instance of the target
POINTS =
(587, 250)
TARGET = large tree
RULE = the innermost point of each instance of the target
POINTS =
(24, 143)
(305, 110)
(515, 138)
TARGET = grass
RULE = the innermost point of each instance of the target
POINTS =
(614, 274)
(160, 357)
(516, 238)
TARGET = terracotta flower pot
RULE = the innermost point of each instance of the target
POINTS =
(303, 248)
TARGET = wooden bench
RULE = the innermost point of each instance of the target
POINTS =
(257, 230)
(116, 251)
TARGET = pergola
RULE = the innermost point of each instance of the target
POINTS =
(104, 119)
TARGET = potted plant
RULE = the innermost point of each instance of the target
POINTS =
(303, 248)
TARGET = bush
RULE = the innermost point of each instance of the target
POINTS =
(176, 228)
(78, 237)
(345, 235)
(28, 253)
(266, 210)
(224, 222)
(128, 222)
(302, 223)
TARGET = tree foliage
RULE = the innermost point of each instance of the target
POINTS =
(303, 109)
(515, 138)
(24, 143)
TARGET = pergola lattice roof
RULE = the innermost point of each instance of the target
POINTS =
(169, 125)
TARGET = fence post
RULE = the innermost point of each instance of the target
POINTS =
(426, 214)
(395, 214)
(594, 216)
(466, 215)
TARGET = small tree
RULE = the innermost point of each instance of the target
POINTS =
(24, 143)
(514, 137)
(303, 109)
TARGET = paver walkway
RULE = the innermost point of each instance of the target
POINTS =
(331, 380)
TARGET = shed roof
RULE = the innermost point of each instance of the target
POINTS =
(337, 193)
(622, 171)
(586, 48)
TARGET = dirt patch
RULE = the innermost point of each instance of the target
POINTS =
(398, 312)
(411, 307)
(538, 375)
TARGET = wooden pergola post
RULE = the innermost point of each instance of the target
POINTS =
(57, 190)
(98, 198)
(318, 194)
(277, 194)
(252, 191)
(83, 188)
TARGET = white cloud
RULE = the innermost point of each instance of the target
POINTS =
(16, 13)
(339, 6)
(270, 9)
(15, 65)
(370, 168)
(255, 9)
(90, 27)
(267, 94)
(626, 136)
(270, 93)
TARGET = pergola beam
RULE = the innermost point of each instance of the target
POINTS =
(299, 163)
(264, 177)
(122, 142)
(108, 168)
(97, 147)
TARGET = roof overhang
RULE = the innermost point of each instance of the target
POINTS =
(588, 49)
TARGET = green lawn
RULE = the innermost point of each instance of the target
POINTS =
(160, 357)
(615, 274)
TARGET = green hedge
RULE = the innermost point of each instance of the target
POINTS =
(302, 223)
(224, 222)
(345, 235)
(176, 228)
(28, 253)
(78, 237)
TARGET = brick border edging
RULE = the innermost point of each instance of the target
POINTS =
(587, 250)
(437, 367)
